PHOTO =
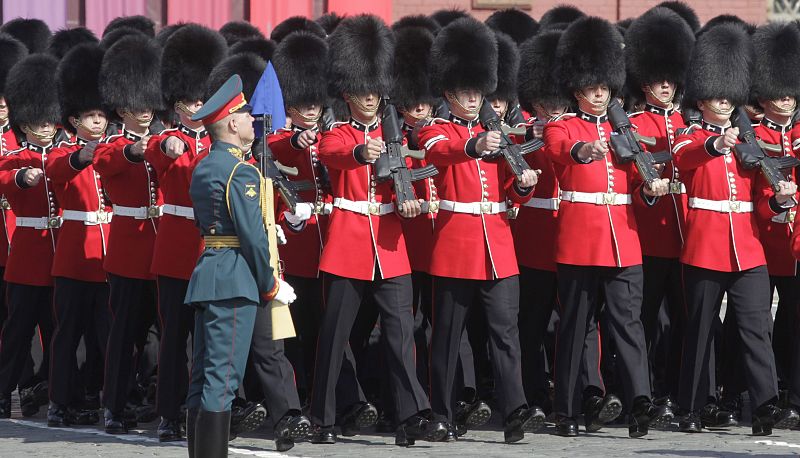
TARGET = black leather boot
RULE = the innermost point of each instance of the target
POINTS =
(646, 414)
(291, 428)
(191, 428)
(598, 411)
(420, 426)
(211, 434)
(770, 416)
(359, 415)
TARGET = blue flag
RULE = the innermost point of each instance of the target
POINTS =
(268, 100)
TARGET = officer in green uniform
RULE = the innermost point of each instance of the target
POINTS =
(233, 275)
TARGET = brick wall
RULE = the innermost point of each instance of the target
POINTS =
(754, 11)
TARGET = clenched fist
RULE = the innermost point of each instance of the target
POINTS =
(489, 142)
(594, 151)
(33, 176)
(137, 149)
(174, 147)
(373, 150)
(727, 140)
(306, 138)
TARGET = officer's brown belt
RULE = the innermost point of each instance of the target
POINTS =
(221, 241)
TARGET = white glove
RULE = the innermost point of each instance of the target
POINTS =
(281, 235)
(302, 212)
(285, 294)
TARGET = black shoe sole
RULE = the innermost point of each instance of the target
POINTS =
(608, 413)
(662, 421)
(478, 417)
(367, 418)
(435, 434)
(252, 421)
(533, 424)
(691, 429)
(567, 432)
(299, 431)
(284, 445)
(322, 441)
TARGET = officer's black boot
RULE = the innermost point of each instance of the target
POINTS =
(646, 414)
(292, 427)
(211, 434)
(598, 411)
(191, 427)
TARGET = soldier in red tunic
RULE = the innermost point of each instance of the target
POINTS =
(722, 253)
(33, 107)
(81, 295)
(365, 256)
(657, 51)
(597, 193)
(189, 56)
(776, 48)
(471, 221)
(129, 84)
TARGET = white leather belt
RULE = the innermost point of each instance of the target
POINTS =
(676, 187)
(39, 223)
(475, 208)
(544, 204)
(597, 198)
(363, 207)
(178, 210)
(138, 212)
(88, 218)
(785, 217)
(722, 206)
(323, 208)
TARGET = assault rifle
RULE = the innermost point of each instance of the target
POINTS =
(391, 165)
(509, 150)
(277, 172)
(627, 147)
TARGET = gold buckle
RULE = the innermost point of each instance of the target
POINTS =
(54, 222)
(319, 207)
(374, 209)
(153, 211)
(4, 203)
(676, 187)
(735, 206)
(609, 198)
(433, 206)
(102, 216)
(512, 213)
(790, 216)
(486, 207)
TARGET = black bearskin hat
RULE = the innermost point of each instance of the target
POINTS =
(537, 83)
(417, 20)
(685, 11)
(119, 33)
(262, 47)
(507, 69)
(720, 66)
(623, 25)
(726, 19)
(77, 79)
(446, 16)
(296, 24)
(130, 76)
(411, 66)
(515, 23)
(33, 33)
(658, 47)
(300, 61)
(188, 57)
(590, 52)
(247, 65)
(31, 91)
(236, 31)
(65, 39)
(560, 15)
(11, 52)
(361, 55)
(163, 35)
(464, 56)
(329, 22)
(777, 61)
(140, 23)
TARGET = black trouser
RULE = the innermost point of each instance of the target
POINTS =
(343, 297)
(581, 289)
(499, 299)
(271, 369)
(663, 285)
(81, 310)
(306, 312)
(28, 307)
(177, 321)
(748, 299)
(784, 331)
(794, 372)
(3, 307)
(131, 301)
(537, 299)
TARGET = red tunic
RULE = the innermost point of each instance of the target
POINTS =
(178, 243)
(357, 244)
(590, 234)
(30, 259)
(303, 249)
(8, 143)
(535, 228)
(80, 250)
(419, 230)
(469, 246)
(129, 183)
(661, 226)
(726, 242)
